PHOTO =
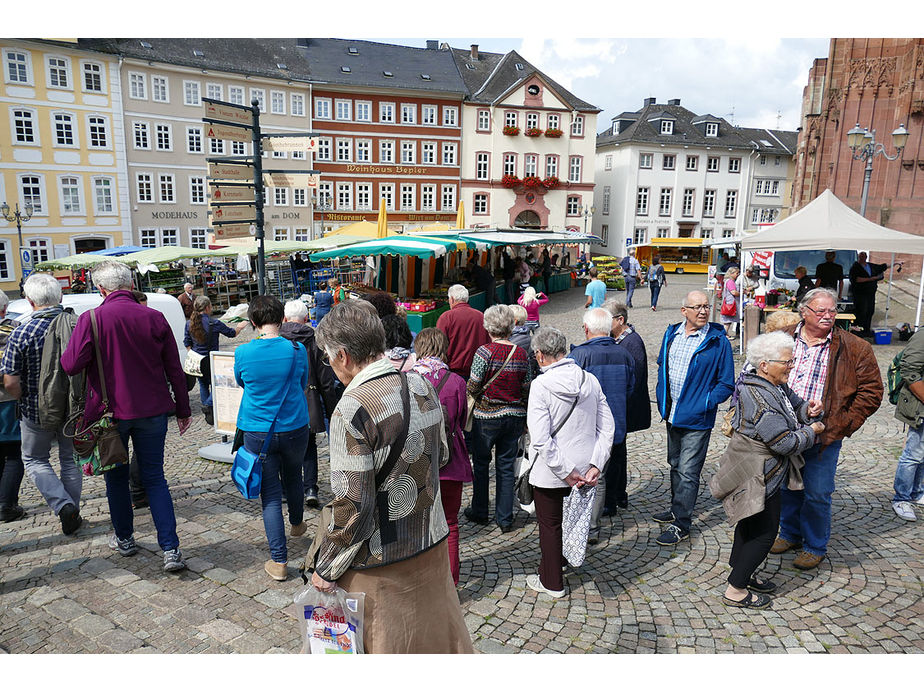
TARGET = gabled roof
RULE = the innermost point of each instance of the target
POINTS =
(688, 129)
(771, 141)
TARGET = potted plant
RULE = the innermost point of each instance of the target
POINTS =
(511, 130)
(551, 182)
(553, 132)
(533, 132)
(532, 182)
(509, 181)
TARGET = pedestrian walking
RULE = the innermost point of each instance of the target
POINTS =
(909, 474)
(595, 291)
(730, 296)
(531, 301)
(464, 327)
(632, 273)
(656, 280)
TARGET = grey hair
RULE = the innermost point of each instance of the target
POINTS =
(598, 321)
(768, 347)
(112, 275)
(355, 327)
(296, 310)
(4, 301)
(42, 289)
(816, 293)
(498, 321)
(458, 293)
(616, 309)
(519, 313)
(550, 341)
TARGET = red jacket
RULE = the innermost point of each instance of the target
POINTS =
(464, 326)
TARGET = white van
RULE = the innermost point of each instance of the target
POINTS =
(783, 263)
(80, 303)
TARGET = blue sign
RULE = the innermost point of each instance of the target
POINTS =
(25, 255)
(628, 242)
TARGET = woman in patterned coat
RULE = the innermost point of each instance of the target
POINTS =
(383, 533)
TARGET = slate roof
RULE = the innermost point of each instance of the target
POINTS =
(685, 131)
(781, 141)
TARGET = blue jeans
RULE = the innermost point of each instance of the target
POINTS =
(909, 475)
(686, 453)
(500, 435)
(309, 466)
(630, 289)
(655, 292)
(147, 437)
(806, 515)
(205, 392)
(283, 461)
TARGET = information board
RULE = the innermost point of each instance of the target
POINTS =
(226, 393)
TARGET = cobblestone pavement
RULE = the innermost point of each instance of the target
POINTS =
(73, 594)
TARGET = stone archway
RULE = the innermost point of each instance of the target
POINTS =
(527, 219)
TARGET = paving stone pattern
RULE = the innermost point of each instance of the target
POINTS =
(74, 595)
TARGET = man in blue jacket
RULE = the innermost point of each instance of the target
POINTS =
(614, 368)
(696, 373)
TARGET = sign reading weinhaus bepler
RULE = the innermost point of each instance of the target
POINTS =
(233, 113)
(219, 131)
(291, 180)
(290, 144)
(230, 171)
(230, 193)
(234, 230)
(236, 213)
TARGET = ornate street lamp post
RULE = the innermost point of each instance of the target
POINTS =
(322, 202)
(587, 211)
(20, 218)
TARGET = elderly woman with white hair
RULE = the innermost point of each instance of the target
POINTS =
(772, 426)
(499, 382)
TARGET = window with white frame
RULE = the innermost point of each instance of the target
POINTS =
(196, 190)
(510, 119)
(692, 162)
(18, 66)
(144, 191)
(532, 120)
(663, 232)
(641, 202)
(608, 162)
(573, 205)
(755, 216)
(667, 127)
(448, 197)
(386, 113)
(99, 132)
(480, 204)
(236, 95)
(450, 116)
(640, 236)
(606, 199)
(148, 238)
(574, 169)
(344, 149)
(712, 129)
(166, 188)
(645, 160)
(708, 203)
(92, 77)
(364, 111)
(551, 165)
(216, 146)
(762, 160)
(734, 165)
(64, 129)
(191, 95)
(728, 233)
(428, 198)
(278, 102)
(731, 203)
(408, 203)
(299, 155)
(705, 233)
(386, 152)
(193, 139)
(159, 89)
(553, 120)
(214, 91)
(40, 249)
(281, 197)
(280, 233)
(102, 196)
(577, 126)
(24, 130)
(301, 234)
(689, 195)
(428, 152)
(669, 162)
(409, 113)
(510, 164)
(280, 155)
(197, 237)
(530, 164)
(777, 160)
(344, 109)
(59, 72)
(300, 197)
(239, 148)
(260, 96)
(484, 120)
(767, 216)
(141, 134)
(324, 149)
(137, 85)
(712, 164)
(297, 104)
(324, 200)
(364, 150)
(387, 193)
(163, 137)
(70, 195)
(605, 233)
(428, 115)
(364, 196)
(169, 237)
(408, 152)
(449, 153)
(31, 187)
(664, 203)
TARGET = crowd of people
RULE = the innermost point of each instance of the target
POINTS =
(412, 418)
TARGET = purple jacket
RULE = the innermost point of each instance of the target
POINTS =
(452, 396)
(139, 357)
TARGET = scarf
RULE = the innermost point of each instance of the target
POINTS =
(429, 365)
(397, 353)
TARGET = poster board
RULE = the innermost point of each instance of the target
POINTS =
(226, 393)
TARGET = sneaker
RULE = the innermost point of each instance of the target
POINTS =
(593, 537)
(671, 536)
(664, 518)
(12, 513)
(807, 560)
(311, 498)
(70, 518)
(173, 561)
(299, 529)
(126, 547)
(783, 545)
(904, 510)
(534, 583)
(919, 500)
(277, 571)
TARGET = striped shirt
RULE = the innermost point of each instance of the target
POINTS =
(810, 371)
(679, 355)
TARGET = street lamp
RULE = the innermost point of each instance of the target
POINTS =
(322, 202)
(19, 218)
(587, 211)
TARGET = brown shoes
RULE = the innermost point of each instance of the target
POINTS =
(806, 561)
(782, 546)
(299, 529)
(277, 571)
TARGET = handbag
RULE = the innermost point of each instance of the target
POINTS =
(471, 400)
(729, 310)
(193, 363)
(577, 513)
(98, 447)
(247, 467)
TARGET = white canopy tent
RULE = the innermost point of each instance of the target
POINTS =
(826, 223)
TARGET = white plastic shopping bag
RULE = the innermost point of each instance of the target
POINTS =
(577, 513)
(331, 622)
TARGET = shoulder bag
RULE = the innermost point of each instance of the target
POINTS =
(247, 467)
(471, 400)
(98, 447)
(193, 363)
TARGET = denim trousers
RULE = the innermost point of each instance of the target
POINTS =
(147, 437)
(11, 473)
(655, 292)
(909, 475)
(283, 461)
(686, 453)
(630, 289)
(806, 515)
(205, 392)
(36, 455)
(501, 436)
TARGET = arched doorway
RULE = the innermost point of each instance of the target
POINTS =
(527, 219)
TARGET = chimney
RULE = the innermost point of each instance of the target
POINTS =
(432, 45)
(474, 53)
(673, 102)
(650, 101)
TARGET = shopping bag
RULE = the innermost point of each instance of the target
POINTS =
(330, 622)
(523, 466)
(577, 512)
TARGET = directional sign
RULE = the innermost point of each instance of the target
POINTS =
(227, 132)
(229, 112)
(231, 193)
(235, 213)
(220, 171)
(234, 230)
(291, 180)
(290, 144)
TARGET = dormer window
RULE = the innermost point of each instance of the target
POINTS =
(667, 127)
(712, 129)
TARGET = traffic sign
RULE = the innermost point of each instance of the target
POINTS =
(291, 180)
(229, 171)
(231, 193)
(235, 213)
(301, 143)
(222, 110)
(234, 230)
(219, 131)
(25, 256)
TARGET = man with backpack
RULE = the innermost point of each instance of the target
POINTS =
(907, 392)
(632, 271)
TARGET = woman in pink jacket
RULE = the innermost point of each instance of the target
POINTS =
(531, 301)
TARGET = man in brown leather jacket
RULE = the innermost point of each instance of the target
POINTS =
(839, 369)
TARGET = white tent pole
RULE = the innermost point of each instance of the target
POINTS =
(917, 315)
(889, 295)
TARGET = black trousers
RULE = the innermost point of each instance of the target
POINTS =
(754, 536)
(616, 477)
(549, 504)
(864, 305)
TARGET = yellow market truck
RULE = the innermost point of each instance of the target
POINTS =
(677, 254)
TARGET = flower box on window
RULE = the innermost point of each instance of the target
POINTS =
(553, 132)
(533, 132)
(509, 181)
(551, 182)
(511, 130)
(532, 182)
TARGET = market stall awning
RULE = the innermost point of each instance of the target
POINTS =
(363, 229)
(415, 246)
(162, 255)
(525, 238)
(277, 247)
(118, 250)
(71, 262)
(473, 241)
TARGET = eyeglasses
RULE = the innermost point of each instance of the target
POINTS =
(823, 311)
(789, 363)
(702, 308)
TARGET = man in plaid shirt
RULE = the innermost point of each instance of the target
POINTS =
(21, 366)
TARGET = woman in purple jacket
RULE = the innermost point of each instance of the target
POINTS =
(432, 346)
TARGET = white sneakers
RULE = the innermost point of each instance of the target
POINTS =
(534, 583)
(904, 510)
(919, 501)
